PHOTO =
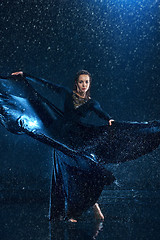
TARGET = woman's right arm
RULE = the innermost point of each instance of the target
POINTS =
(54, 87)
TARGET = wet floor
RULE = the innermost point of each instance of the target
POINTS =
(128, 215)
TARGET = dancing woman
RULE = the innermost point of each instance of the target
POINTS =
(78, 104)
(81, 150)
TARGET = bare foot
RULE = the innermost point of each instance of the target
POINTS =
(72, 220)
(97, 212)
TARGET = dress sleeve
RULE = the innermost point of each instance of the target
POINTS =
(98, 110)
(54, 87)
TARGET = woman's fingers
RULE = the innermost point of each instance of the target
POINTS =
(18, 73)
(111, 121)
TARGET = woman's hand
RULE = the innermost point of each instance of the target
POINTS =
(111, 121)
(17, 73)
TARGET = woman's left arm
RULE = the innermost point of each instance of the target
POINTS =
(102, 114)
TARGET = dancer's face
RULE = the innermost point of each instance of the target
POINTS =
(83, 83)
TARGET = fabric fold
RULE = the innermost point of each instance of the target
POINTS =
(81, 150)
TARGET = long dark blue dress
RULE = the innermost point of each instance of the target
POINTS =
(81, 150)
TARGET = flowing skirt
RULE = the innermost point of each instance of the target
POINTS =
(81, 151)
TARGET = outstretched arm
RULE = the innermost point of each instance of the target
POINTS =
(102, 114)
(54, 87)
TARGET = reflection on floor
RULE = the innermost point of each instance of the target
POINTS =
(128, 215)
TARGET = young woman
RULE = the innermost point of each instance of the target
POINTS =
(80, 149)
(74, 112)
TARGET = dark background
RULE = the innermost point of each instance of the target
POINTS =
(117, 41)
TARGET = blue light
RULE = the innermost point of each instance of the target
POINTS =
(29, 123)
(33, 123)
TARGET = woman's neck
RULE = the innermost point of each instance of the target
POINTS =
(80, 94)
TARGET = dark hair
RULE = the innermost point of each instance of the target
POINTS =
(82, 72)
